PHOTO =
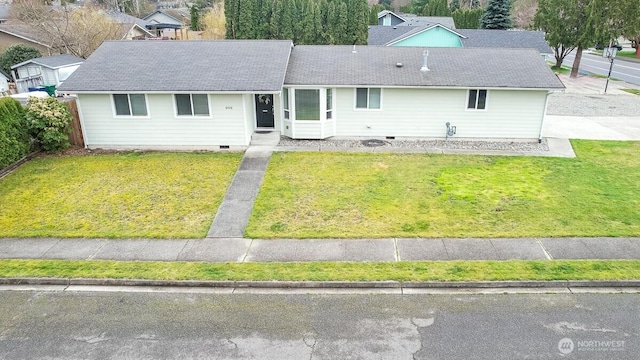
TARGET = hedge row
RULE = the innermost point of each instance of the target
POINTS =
(15, 141)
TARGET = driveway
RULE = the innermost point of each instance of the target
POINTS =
(582, 111)
(592, 128)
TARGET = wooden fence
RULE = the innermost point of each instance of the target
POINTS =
(75, 136)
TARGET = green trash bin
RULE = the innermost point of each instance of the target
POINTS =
(50, 89)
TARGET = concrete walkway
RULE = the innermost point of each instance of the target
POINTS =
(258, 250)
(234, 211)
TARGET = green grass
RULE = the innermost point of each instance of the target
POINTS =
(155, 195)
(328, 271)
(356, 195)
(562, 70)
(632, 91)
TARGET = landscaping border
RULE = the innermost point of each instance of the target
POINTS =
(6, 171)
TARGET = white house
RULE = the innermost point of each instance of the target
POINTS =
(4, 81)
(129, 98)
(44, 71)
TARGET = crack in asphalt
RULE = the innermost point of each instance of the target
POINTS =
(235, 346)
(311, 346)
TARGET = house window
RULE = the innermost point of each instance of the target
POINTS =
(368, 98)
(192, 104)
(329, 104)
(307, 104)
(477, 99)
(130, 104)
(285, 98)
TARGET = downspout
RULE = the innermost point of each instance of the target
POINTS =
(544, 114)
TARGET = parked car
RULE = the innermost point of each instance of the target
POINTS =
(616, 45)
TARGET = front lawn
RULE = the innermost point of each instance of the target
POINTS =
(151, 195)
(343, 195)
(328, 271)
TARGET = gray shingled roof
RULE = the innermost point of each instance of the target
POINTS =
(53, 62)
(175, 66)
(125, 18)
(380, 35)
(412, 20)
(449, 67)
(506, 39)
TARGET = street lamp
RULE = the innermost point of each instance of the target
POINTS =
(609, 53)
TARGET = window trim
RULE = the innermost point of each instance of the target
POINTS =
(486, 100)
(192, 116)
(355, 99)
(115, 113)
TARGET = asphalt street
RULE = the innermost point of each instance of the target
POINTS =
(623, 70)
(130, 325)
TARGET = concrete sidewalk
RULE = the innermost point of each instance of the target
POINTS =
(292, 250)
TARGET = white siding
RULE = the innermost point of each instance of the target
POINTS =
(162, 129)
(49, 77)
(424, 113)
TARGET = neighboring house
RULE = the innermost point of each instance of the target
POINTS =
(44, 71)
(389, 18)
(431, 36)
(162, 24)
(304, 92)
(4, 12)
(12, 33)
(132, 27)
(441, 36)
(4, 81)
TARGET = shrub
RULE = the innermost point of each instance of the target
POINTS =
(14, 137)
(16, 54)
(48, 122)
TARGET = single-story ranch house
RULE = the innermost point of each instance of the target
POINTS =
(213, 94)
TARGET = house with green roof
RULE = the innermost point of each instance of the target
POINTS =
(129, 99)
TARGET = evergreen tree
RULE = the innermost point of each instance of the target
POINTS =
(340, 30)
(373, 14)
(455, 5)
(497, 15)
(195, 18)
(231, 17)
(467, 19)
(437, 8)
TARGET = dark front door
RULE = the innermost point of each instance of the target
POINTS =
(264, 111)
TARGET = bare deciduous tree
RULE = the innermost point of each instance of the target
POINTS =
(214, 23)
(77, 31)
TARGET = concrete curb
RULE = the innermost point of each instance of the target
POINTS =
(326, 284)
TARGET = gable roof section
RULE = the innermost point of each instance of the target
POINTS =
(380, 35)
(449, 67)
(384, 13)
(418, 30)
(53, 62)
(146, 18)
(183, 66)
(412, 20)
(24, 31)
(125, 18)
(514, 39)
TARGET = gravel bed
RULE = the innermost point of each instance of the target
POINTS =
(593, 105)
(422, 144)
